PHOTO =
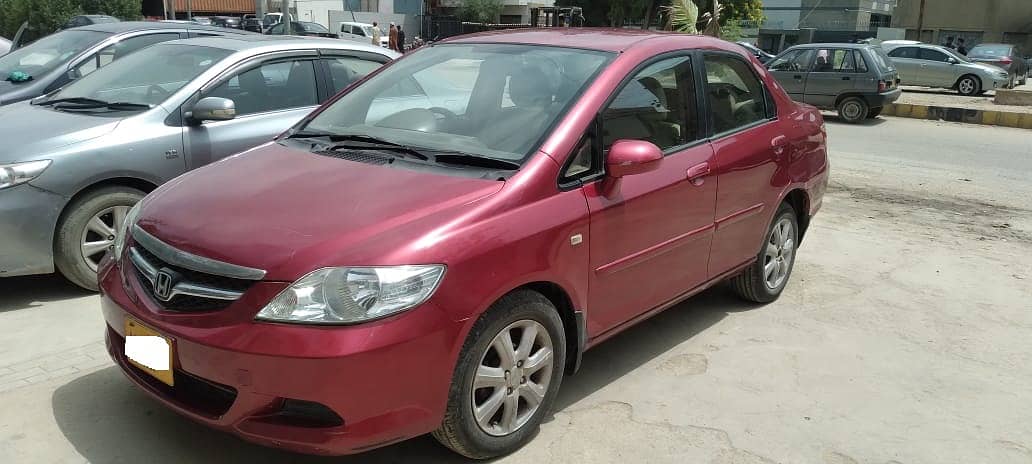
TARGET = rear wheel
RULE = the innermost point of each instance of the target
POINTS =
(506, 378)
(853, 109)
(874, 112)
(87, 229)
(765, 279)
(969, 85)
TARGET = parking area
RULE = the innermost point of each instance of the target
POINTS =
(902, 338)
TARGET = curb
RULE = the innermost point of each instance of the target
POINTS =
(963, 115)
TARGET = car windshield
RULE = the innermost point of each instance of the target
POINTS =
(489, 100)
(146, 77)
(48, 53)
(989, 51)
(881, 59)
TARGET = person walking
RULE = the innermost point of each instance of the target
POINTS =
(401, 40)
(961, 48)
(392, 41)
(376, 34)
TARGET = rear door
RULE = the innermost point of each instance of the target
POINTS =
(834, 72)
(791, 69)
(908, 65)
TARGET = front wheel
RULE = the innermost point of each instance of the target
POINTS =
(853, 110)
(765, 279)
(506, 378)
(87, 229)
(968, 86)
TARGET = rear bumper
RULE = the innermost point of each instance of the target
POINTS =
(28, 216)
(877, 100)
(386, 381)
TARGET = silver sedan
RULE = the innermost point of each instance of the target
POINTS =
(935, 66)
(75, 161)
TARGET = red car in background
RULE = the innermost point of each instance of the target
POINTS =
(437, 247)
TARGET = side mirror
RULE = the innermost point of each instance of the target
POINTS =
(630, 157)
(213, 109)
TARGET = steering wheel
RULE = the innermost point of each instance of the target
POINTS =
(445, 113)
(156, 90)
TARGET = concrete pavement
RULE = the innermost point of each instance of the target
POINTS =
(902, 338)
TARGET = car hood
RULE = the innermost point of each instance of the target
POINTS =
(290, 212)
(29, 131)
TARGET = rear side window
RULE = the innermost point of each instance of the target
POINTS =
(735, 95)
(904, 52)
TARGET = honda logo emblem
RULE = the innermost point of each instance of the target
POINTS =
(164, 282)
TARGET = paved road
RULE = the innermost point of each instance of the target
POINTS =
(903, 338)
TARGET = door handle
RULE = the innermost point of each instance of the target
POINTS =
(696, 174)
(778, 144)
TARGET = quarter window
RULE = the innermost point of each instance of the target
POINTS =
(653, 106)
(735, 95)
(271, 87)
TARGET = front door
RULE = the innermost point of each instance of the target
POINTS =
(834, 72)
(791, 70)
(650, 233)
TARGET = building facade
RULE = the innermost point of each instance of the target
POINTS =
(982, 21)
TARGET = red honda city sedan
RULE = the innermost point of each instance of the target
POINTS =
(435, 249)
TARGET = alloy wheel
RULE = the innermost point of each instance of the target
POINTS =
(777, 259)
(99, 234)
(512, 378)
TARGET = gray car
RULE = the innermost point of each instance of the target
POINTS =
(936, 66)
(76, 160)
(857, 80)
(57, 59)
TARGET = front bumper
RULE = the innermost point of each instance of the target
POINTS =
(386, 380)
(28, 216)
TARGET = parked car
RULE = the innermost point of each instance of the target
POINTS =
(362, 32)
(226, 21)
(5, 46)
(302, 28)
(761, 55)
(57, 59)
(937, 66)
(370, 278)
(251, 23)
(88, 20)
(1010, 58)
(857, 80)
(89, 151)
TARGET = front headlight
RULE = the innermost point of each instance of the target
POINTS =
(122, 234)
(348, 295)
(20, 173)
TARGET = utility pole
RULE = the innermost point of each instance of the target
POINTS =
(920, 19)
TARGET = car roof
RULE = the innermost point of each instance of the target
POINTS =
(269, 43)
(133, 26)
(589, 38)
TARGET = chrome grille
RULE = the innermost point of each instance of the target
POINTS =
(179, 281)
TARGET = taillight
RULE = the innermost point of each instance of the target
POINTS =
(1006, 60)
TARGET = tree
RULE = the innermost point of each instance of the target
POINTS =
(481, 11)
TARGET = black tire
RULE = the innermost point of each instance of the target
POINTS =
(853, 110)
(751, 284)
(874, 112)
(969, 90)
(459, 431)
(68, 255)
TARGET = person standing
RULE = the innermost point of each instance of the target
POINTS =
(401, 40)
(961, 48)
(392, 40)
(376, 34)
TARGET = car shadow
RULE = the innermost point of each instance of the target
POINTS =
(29, 292)
(107, 419)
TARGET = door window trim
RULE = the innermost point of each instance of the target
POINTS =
(768, 97)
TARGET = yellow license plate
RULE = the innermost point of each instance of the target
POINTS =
(149, 351)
